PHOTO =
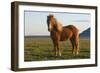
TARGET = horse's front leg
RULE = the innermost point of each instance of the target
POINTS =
(58, 49)
(55, 49)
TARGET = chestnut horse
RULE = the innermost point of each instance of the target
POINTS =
(60, 33)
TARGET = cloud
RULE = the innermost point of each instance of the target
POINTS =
(81, 21)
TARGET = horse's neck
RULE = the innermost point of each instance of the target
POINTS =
(57, 25)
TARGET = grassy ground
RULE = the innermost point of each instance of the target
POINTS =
(38, 49)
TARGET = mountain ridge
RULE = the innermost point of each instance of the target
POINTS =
(85, 33)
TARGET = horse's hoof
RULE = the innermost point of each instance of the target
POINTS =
(74, 54)
(59, 55)
(56, 56)
(77, 53)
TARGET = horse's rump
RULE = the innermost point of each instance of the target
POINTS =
(68, 32)
(73, 29)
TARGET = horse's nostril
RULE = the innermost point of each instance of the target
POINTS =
(48, 29)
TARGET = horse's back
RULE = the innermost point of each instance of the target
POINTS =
(72, 28)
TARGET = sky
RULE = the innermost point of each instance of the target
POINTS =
(35, 21)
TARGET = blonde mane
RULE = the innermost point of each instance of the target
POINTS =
(59, 26)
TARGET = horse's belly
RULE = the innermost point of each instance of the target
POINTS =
(63, 38)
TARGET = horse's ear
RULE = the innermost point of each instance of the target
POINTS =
(51, 15)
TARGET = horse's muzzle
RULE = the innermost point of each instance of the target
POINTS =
(49, 29)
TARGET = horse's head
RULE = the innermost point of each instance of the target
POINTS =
(51, 22)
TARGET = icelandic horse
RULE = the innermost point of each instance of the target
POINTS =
(62, 33)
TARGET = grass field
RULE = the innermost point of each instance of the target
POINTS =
(39, 49)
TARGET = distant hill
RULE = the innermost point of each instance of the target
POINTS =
(85, 34)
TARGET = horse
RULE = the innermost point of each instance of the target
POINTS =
(62, 33)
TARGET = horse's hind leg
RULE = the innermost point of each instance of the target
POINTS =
(73, 45)
(77, 44)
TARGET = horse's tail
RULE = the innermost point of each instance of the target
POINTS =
(76, 37)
